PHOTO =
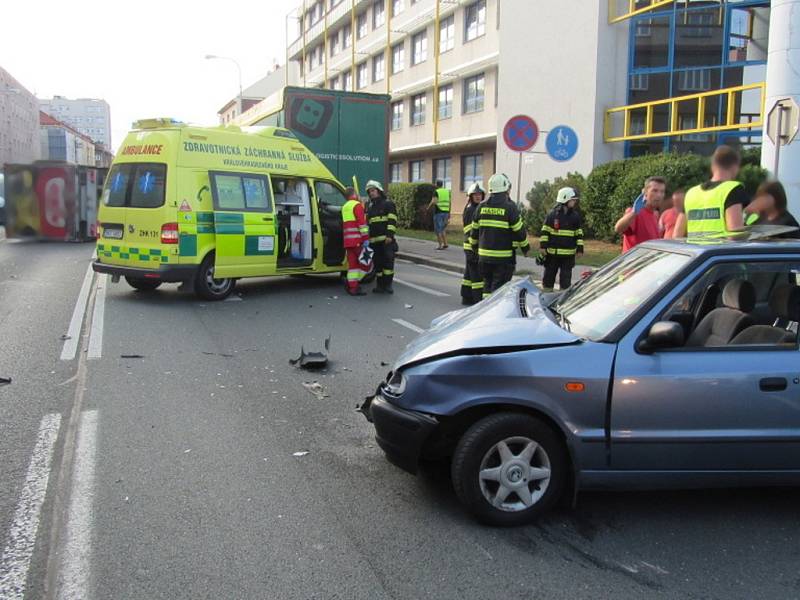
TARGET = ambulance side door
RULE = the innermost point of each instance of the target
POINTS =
(330, 200)
(244, 224)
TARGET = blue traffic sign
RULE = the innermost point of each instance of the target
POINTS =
(520, 133)
(562, 143)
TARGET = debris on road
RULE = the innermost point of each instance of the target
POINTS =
(316, 389)
(302, 453)
(65, 337)
(131, 355)
(409, 306)
(313, 360)
(5, 380)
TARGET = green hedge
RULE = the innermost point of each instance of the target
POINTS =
(411, 200)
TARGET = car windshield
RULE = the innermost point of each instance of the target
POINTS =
(593, 308)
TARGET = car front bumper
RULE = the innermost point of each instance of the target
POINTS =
(169, 274)
(400, 433)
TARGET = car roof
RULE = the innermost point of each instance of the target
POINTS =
(754, 240)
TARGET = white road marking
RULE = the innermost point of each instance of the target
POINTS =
(74, 331)
(408, 325)
(22, 538)
(74, 574)
(421, 288)
(98, 315)
(437, 270)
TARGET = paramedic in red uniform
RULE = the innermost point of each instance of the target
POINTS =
(356, 235)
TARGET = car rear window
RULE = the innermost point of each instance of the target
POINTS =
(136, 185)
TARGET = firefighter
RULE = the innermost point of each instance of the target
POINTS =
(496, 226)
(356, 237)
(561, 240)
(382, 220)
(472, 285)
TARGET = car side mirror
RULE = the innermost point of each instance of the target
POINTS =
(663, 334)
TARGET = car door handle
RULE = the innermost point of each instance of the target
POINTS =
(772, 384)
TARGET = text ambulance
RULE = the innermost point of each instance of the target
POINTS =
(207, 206)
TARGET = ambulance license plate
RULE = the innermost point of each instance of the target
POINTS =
(114, 234)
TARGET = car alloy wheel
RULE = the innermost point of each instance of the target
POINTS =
(514, 474)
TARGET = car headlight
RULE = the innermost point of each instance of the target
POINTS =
(396, 384)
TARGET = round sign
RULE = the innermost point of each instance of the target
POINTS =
(521, 133)
(562, 143)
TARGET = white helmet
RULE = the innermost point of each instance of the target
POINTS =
(499, 183)
(374, 184)
(476, 188)
(566, 194)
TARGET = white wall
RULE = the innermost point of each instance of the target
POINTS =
(561, 63)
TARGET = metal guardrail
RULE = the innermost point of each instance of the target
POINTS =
(728, 122)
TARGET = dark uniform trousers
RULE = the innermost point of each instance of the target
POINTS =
(561, 265)
(495, 275)
(472, 285)
(384, 263)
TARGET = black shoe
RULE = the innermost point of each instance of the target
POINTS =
(378, 290)
(388, 290)
(466, 302)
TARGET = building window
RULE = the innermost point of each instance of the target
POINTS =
(347, 81)
(700, 18)
(398, 58)
(394, 172)
(418, 109)
(347, 36)
(398, 6)
(397, 115)
(362, 75)
(378, 68)
(334, 83)
(471, 170)
(475, 21)
(443, 171)
(361, 25)
(447, 34)
(644, 28)
(474, 88)
(419, 48)
(697, 80)
(640, 82)
(378, 14)
(416, 171)
(333, 43)
(445, 102)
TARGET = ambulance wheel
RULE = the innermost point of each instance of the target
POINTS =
(206, 286)
(144, 285)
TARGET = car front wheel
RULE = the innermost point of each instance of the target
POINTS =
(509, 468)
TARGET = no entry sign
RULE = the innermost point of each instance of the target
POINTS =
(520, 133)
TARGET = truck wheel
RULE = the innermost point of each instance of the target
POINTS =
(509, 468)
(144, 285)
(206, 286)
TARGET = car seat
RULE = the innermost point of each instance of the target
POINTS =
(721, 325)
(785, 303)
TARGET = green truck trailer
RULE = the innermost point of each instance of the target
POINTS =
(348, 131)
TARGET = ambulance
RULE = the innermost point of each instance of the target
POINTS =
(208, 206)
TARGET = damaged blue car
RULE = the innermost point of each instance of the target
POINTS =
(674, 366)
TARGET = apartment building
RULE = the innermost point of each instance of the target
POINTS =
(444, 95)
(19, 122)
(90, 116)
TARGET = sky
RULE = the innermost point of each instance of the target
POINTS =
(145, 58)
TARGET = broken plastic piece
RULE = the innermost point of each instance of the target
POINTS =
(316, 389)
(313, 360)
(409, 306)
(5, 380)
(303, 453)
(131, 355)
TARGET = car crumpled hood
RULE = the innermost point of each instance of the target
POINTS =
(496, 324)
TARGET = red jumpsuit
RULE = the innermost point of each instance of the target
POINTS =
(355, 232)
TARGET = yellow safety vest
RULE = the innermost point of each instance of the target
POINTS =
(443, 199)
(705, 209)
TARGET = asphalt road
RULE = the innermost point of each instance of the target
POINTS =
(188, 460)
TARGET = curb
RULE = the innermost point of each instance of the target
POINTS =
(431, 262)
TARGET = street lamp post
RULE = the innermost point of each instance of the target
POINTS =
(239, 69)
